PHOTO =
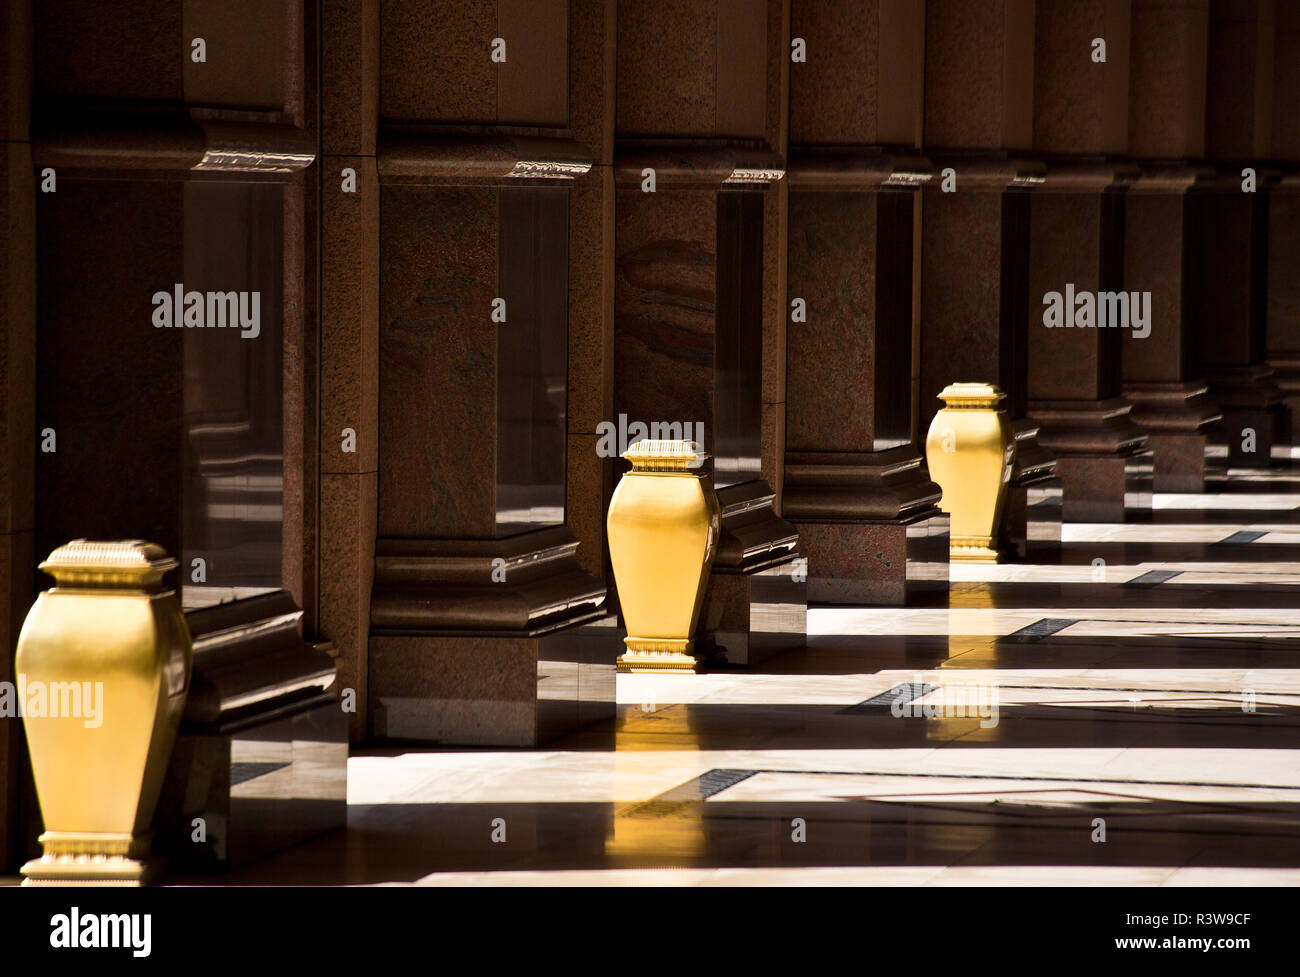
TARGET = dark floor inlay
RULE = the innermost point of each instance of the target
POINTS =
(1152, 577)
(1243, 536)
(902, 693)
(1045, 628)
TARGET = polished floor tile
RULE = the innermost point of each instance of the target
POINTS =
(1124, 713)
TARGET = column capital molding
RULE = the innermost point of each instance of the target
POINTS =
(697, 164)
(815, 167)
(437, 156)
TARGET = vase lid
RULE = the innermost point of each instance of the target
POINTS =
(108, 563)
(970, 394)
(651, 454)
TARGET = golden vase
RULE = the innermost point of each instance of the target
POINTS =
(103, 668)
(663, 528)
(970, 450)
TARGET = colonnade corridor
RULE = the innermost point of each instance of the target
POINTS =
(1127, 715)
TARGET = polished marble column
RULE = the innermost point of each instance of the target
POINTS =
(975, 235)
(1163, 378)
(1076, 259)
(697, 296)
(1234, 240)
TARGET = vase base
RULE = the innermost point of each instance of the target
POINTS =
(973, 549)
(90, 870)
(658, 655)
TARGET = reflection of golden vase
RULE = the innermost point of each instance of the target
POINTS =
(970, 449)
(109, 653)
(663, 527)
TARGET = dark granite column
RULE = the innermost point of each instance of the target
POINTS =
(1283, 303)
(975, 235)
(176, 175)
(1163, 378)
(485, 627)
(856, 486)
(697, 289)
(1234, 236)
(1078, 316)
(17, 378)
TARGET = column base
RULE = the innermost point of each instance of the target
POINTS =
(260, 761)
(1255, 418)
(519, 689)
(896, 562)
(1179, 462)
(756, 603)
(1105, 488)
(1176, 417)
(754, 614)
(1031, 521)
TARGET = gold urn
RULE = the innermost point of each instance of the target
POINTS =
(970, 450)
(103, 668)
(663, 528)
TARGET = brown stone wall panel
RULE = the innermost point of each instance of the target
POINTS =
(742, 68)
(593, 32)
(1167, 78)
(436, 63)
(961, 257)
(350, 316)
(347, 549)
(89, 327)
(1283, 280)
(137, 52)
(1286, 83)
(835, 95)
(831, 357)
(246, 53)
(665, 299)
(18, 351)
(533, 83)
(772, 442)
(591, 301)
(1224, 307)
(532, 355)
(1080, 105)
(1065, 245)
(1153, 262)
(776, 309)
(777, 116)
(902, 73)
(16, 86)
(350, 83)
(979, 73)
(1239, 110)
(437, 363)
(667, 67)
(587, 499)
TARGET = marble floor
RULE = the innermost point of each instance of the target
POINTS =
(1127, 715)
